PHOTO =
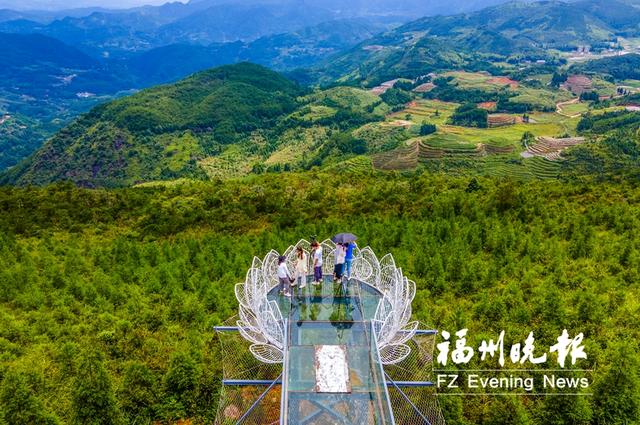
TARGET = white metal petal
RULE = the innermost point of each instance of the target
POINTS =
(405, 334)
(393, 354)
(267, 353)
(250, 334)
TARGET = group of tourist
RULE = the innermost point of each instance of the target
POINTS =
(343, 256)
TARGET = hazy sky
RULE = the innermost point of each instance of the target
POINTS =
(114, 3)
(70, 4)
(435, 5)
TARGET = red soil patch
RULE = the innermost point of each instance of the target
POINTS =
(400, 123)
(578, 84)
(504, 81)
(424, 88)
(382, 88)
(489, 106)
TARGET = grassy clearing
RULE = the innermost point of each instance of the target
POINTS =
(540, 98)
(295, 144)
(381, 137)
(575, 108)
(544, 79)
(601, 111)
(342, 97)
(603, 87)
(476, 80)
(314, 113)
(456, 138)
(632, 83)
(552, 124)
(180, 150)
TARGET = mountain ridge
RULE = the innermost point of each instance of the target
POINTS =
(514, 28)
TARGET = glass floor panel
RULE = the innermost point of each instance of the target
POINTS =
(332, 409)
(333, 314)
(329, 301)
(328, 333)
(301, 376)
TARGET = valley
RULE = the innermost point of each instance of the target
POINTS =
(456, 122)
(51, 91)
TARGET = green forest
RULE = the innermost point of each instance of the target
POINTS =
(108, 298)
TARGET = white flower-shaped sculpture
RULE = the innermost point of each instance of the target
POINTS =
(260, 319)
(391, 323)
(262, 324)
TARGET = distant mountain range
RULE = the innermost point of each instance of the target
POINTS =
(115, 32)
(512, 29)
(53, 68)
(39, 65)
(119, 32)
(46, 80)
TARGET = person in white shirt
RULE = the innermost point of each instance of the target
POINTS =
(284, 277)
(302, 268)
(340, 255)
(317, 263)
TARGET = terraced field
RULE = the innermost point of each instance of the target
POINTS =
(432, 111)
(578, 84)
(542, 168)
(498, 166)
(402, 158)
(358, 166)
(502, 120)
(551, 148)
(632, 83)
(480, 151)
(468, 161)
(442, 146)
(542, 123)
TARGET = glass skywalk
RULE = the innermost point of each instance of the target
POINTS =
(336, 353)
(334, 315)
